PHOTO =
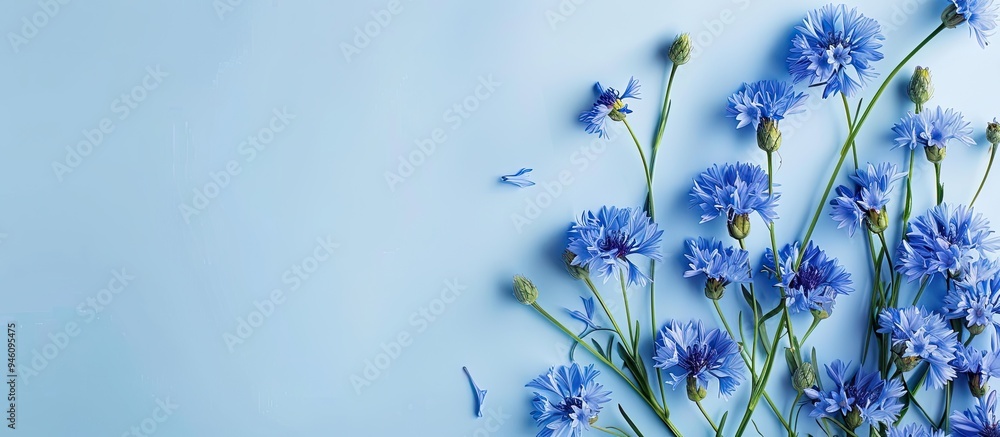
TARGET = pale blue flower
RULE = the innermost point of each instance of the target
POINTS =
(765, 99)
(603, 241)
(922, 335)
(689, 351)
(943, 240)
(851, 208)
(609, 104)
(835, 47)
(914, 430)
(976, 305)
(732, 190)
(724, 265)
(981, 16)
(978, 421)
(519, 179)
(978, 366)
(817, 282)
(932, 128)
(866, 396)
(570, 397)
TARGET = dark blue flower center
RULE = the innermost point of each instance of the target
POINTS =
(990, 431)
(808, 278)
(864, 395)
(609, 97)
(616, 241)
(568, 404)
(699, 357)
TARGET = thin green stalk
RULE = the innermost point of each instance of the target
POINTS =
(664, 114)
(850, 126)
(920, 292)
(707, 417)
(885, 249)
(607, 311)
(843, 427)
(944, 424)
(645, 165)
(628, 313)
(770, 227)
(764, 376)
(662, 413)
(609, 431)
(809, 331)
(937, 180)
(854, 134)
(993, 153)
(791, 412)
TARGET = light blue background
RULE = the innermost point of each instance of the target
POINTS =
(324, 176)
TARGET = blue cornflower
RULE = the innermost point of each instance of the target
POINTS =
(979, 421)
(603, 241)
(721, 266)
(933, 129)
(519, 179)
(831, 42)
(570, 398)
(978, 366)
(587, 315)
(976, 304)
(863, 398)
(694, 355)
(866, 203)
(975, 272)
(914, 430)
(981, 15)
(815, 285)
(765, 99)
(943, 240)
(918, 334)
(609, 104)
(733, 192)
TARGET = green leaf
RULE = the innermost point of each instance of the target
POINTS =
(791, 359)
(819, 381)
(631, 424)
(722, 424)
(611, 340)
(598, 347)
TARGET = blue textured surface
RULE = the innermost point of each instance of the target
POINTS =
(485, 88)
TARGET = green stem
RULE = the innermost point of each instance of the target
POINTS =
(609, 431)
(885, 249)
(850, 126)
(707, 417)
(628, 314)
(937, 180)
(645, 165)
(607, 311)
(770, 227)
(993, 153)
(854, 134)
(791, 412)
(765, 374)
(809, 331)
(664, 114)
(920, 292)
(844, 427)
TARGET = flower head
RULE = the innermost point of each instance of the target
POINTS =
(815, 285)
(569, 399)
(975, 304)
(862, 398)
(943, 240)
(835, 47)
(920, 88)
(977, 421)
(918, 334)
(695, 356)
(993, 132)
(978, 366)
(866, 203)
(733, 192)
(765, 99)
(914, 430)
(932, 128)
(980, 14)
(603, 241)
(680, 50)
(609, 104)
(973, 273)
(524, 290)
(721, 266)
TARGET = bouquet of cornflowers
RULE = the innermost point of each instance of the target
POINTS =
(906, 345)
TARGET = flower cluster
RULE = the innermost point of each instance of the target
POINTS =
(866, 203)
(943, 240)
(568, 401)
(863, 398)
(812, 286)
(933, 130)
